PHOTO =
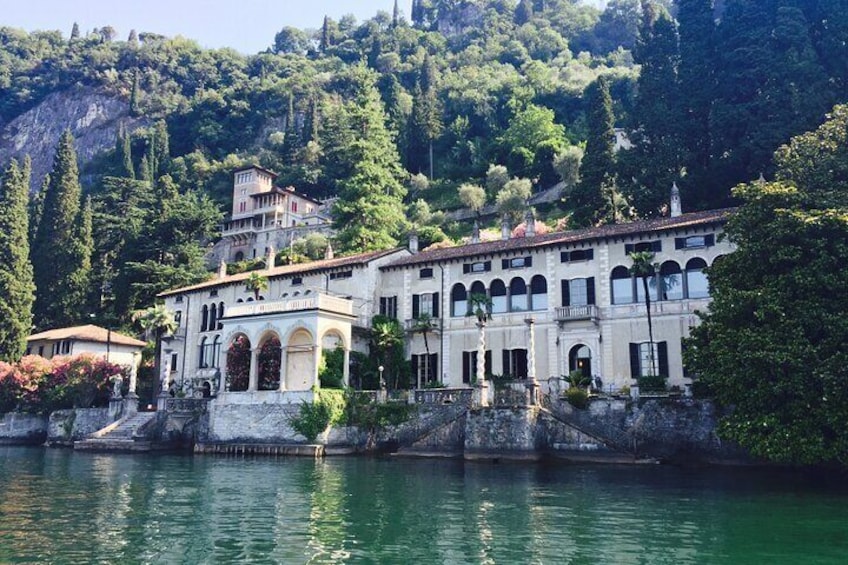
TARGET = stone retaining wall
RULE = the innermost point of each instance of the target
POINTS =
(64, 427)
(19, 428)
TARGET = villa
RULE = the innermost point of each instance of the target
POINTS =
(112, 346)
(569, 293)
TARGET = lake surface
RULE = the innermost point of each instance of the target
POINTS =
(57, 506)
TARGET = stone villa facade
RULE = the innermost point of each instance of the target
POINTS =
(587, 311)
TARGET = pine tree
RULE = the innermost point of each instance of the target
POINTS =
(597, 170)
(655, 161)
(55, 250)
(369, 213)
(17, 291)
(696, 76)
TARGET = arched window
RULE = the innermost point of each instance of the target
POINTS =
(671, 281)
(477, 288)
(213, 317)
(239, 256)
(220, 316)
(499, 300)
(539, 293)
(697, 285)
(215, 361)
(204, 318)
(202, 361)
(238, 364)
(622, 285)
(459, 300)
(518, 295)
(580, 359)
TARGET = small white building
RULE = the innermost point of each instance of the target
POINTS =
(114, 347)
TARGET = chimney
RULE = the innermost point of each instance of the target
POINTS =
(270, 259)
(413, 242)
(222, 269)
(676, 208)
(506, 231)
(328, 254)
(529, 223)
(475, 233)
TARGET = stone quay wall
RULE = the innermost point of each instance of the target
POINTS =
(20, 428)
(64, 427)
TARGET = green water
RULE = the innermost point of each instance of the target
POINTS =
(57, 506)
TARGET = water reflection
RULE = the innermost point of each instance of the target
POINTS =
(60, 506)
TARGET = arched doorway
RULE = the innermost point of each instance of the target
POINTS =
(580, 359)
(269, 363)
(331, 371)
(300, 364)
(238, 364)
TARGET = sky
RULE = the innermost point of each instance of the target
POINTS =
(248, 26)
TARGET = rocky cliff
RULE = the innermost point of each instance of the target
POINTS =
(93, 116)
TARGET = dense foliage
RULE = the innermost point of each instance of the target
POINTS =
(772, 346)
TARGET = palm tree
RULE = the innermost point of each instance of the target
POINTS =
(644, 268)
(424, 324)
(256, 283)
(480, 305)
(386, 334)
(157, 322)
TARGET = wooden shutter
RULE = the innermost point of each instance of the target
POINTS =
(680, 243)
(487, 359)
(709, 240)
(416, 306)
(434, 367)
(521, 363)
(505, 368)
(634, 360)
(662, 353)
(590, 290)
(466, 372)
(528, 261)
(563, 257)
(466, 268)
(629, 248)
(414, 364)
(487, 266)
(504, 264)
(435, 304)
(656, 246)
(566, 293)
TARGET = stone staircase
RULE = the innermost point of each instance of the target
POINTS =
(120, 435)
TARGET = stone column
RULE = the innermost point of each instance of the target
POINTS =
(134, 375)
(284, 362)
(253, 380)
(316, 361)
(346, 367)
(532, 383)
(482, 387)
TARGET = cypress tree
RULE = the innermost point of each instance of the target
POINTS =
(77, 298)
(395, 15)
(326, 39)
(161, 148)
(55, 241)
(655, 159)
(135, 96)
(145, 169)
(17, 291)
(132, 39)
(311, 123)
(75, 32)
(597, 170)
(291, 141)
(523, 12)
(35, 210)
(123, 149)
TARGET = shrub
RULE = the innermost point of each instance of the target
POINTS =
(314, 418)
(652, 383)
(577, 397)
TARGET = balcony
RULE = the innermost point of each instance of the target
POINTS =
(577, 313)
(316, 302)
(410, 325)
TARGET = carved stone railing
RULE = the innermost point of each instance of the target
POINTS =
(411, 325)
(317, 301)
(512, 396)
(443, 396)
(574, 313)
(184, 405)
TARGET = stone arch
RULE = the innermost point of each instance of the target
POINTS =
(335, 358)
(580, 359)
(238, 362)
(269, 361)
(300, 359)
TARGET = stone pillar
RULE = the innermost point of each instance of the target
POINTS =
(164, 373)
(253, 380)
(284, 363)
(134, 375)
(316, 361)
(481, 387)
(346, 367)
(532, 383)
(222, 386)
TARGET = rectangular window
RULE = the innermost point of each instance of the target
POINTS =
(577, 255)
(425, 273)
(479, 267)
(640, 359)
(179, 299)
(652, 246)
(213, 293)
(516, 263)
(178, 318)
(694, 241)
(41, 351)
(425, 304)
(578, 292)
(388, 306)
(297, 281)
(294, 205)
(515, 363)
(66, 347)
(469, 365)
(173, 362)
(341, 275)
(425, 368)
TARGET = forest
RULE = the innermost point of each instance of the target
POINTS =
(462, 103)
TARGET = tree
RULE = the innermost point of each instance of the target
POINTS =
(135, 96)
(567, 165)
(123, 149)
(387, 339)
(771, 345)
(496, 178)
(291, 40)
(643, 268)
(512, 199)
(523, 12)
(424, 324)
(161, 149)
(156, 322)
(472, 197)
(75, 31)
(16, 282)
(597, 168)
(369, 212)
(256, 283)
(618, 25)
(58, 258)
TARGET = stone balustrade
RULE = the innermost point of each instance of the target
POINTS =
(443, 396)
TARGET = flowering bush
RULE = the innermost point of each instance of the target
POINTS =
(35, 384)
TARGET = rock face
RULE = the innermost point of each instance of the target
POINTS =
(93, 116)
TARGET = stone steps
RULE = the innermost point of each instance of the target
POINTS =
(119, 445)
(120, 437)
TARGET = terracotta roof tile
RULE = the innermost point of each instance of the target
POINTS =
(298, 269)
(86, 333)
(558, 238)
